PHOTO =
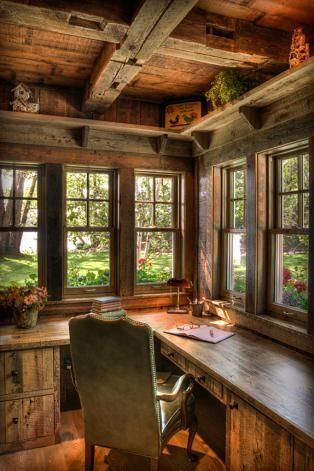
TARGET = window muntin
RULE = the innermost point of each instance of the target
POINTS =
(89, 230)
(290, 240)
(157, 227)
(234, 233)
(19, 225)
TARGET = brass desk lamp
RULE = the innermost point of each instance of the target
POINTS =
(178, 283)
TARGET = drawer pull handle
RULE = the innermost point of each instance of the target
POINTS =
(15, 420)
(14, 373)
(170, 354)
(15, 376)
(201, 379)
(233, 405)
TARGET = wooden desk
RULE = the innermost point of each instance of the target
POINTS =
(268, 389)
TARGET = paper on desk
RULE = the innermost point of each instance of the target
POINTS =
(204, 332)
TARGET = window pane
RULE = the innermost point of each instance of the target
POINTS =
(236, 262)
(238, 215)
(291, 272)
(76, 185)
(26, 213)
(238, 184)
(306, 172)
(6, 182)
(306, 199)
(99, 186)
(26, 183)
(164, 189)
(164, 215)
(154, 256)
(6, 212)
(88, 259)
(144, 188)
(18, 258)
(98, 213)
(290, 211)
(144, 214)
(76, 214)
(290, 174)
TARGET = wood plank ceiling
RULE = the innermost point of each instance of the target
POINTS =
(151, 50)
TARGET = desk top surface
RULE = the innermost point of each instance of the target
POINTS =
(275, 379)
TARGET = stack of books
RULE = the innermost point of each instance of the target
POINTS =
(106, 304)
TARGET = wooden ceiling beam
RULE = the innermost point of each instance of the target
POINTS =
(104, 27)
(223, 41)
(152, 24)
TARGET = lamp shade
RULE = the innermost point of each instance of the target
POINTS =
(179, 283)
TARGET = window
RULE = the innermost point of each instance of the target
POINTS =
(234, 232)
(290, 233)
(19, 225)
(157, 221)
(89, 231)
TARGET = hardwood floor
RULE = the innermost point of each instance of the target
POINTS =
(68, 455)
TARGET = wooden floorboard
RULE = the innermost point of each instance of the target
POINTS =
(68, 455)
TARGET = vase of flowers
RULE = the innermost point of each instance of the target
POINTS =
(25, 303)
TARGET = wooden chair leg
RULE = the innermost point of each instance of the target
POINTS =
(154, 464)
(192, 432)
(89, 456)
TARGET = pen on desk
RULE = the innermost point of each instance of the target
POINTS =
(211, 332)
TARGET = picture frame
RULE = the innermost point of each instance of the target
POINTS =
(178, 114)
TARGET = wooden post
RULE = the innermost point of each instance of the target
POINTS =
(256, 214)
(54, 240)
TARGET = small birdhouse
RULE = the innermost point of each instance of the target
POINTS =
(23, 99)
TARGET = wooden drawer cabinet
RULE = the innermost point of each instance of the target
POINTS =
(26, 370)
(29, 398)
(204, 379)
(254, 442)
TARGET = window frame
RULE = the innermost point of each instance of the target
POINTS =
(177, 229)
(226, 229)
(40, 214)
(275, 216)
(92, 291)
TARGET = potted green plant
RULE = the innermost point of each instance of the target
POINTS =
(228, 85)
(24, 303)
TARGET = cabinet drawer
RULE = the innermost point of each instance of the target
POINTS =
(26, 419)
(24, 371)
(174, 356)
(209, 383)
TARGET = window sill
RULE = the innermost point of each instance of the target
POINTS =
(280, 330)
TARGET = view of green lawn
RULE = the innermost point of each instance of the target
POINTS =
(17, 269)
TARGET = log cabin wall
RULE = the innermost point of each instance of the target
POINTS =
(59, 101)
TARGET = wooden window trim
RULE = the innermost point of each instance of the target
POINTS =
(275, 220)
(226, 228)
(40, 214)
(92, 291)
(176, 230)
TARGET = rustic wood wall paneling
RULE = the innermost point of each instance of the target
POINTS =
(256, 224)
(126, 232)
(79, 156)
(311, 242)
(54, 226)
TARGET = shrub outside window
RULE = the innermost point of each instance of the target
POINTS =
(157, 227)
(290, 236)
(89, 231)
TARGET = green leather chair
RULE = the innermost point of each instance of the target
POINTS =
(114, 371)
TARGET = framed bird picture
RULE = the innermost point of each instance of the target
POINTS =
(180, 114)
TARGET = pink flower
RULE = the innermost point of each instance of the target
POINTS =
(300, 286)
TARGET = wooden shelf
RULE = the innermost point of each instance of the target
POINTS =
(275, 89)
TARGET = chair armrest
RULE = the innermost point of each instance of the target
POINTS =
(179, 387)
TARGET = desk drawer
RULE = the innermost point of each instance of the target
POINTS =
(174, 356)
(202, 378)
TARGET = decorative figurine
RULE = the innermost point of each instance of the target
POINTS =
(300, 49)
(23, 99)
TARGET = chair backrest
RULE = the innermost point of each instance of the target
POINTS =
(115, 373)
